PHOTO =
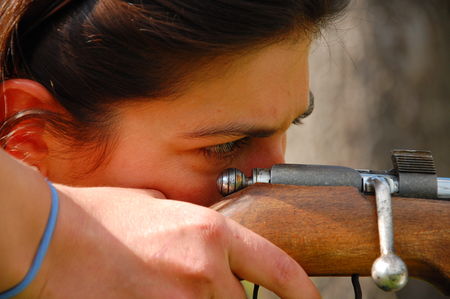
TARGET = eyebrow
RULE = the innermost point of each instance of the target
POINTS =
(232, 130)
(237, 130)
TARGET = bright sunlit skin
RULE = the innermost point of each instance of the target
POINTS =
(230, 117)
(235, 116)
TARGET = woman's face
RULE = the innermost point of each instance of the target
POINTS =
(236, 115)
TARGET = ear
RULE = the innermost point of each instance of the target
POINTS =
(25, 139)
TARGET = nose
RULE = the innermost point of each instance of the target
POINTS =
(265, 153)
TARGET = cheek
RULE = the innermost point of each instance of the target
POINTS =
(178, 176)
(191, 187)
(181, 183)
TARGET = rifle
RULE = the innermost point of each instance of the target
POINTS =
(326, 219)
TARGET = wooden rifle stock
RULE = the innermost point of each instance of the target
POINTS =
(332, 231)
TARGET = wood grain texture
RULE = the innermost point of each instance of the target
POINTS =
(332, 231)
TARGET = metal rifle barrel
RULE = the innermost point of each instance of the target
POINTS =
(409, 185)
(443, 187)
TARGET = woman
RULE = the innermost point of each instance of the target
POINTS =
(157, 97)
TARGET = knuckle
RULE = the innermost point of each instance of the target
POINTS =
(212, 228)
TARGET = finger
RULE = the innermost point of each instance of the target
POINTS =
(253, 258)
(230, 288)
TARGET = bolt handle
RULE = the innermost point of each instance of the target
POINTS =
(388, 271)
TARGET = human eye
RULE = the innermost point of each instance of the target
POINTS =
(225, 150)
(309, 110)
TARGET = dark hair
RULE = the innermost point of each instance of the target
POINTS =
(91, 54)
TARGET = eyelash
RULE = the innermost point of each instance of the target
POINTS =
(298, 121)
(227, 150)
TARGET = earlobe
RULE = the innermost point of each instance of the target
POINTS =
(21, 134)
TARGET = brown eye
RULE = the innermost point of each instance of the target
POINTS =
(225, 150)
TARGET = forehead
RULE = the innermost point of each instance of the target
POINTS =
(263, 86)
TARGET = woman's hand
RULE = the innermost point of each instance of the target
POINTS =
(128, 243)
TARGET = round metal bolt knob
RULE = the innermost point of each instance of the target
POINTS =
(389, 272)
(230, 181)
